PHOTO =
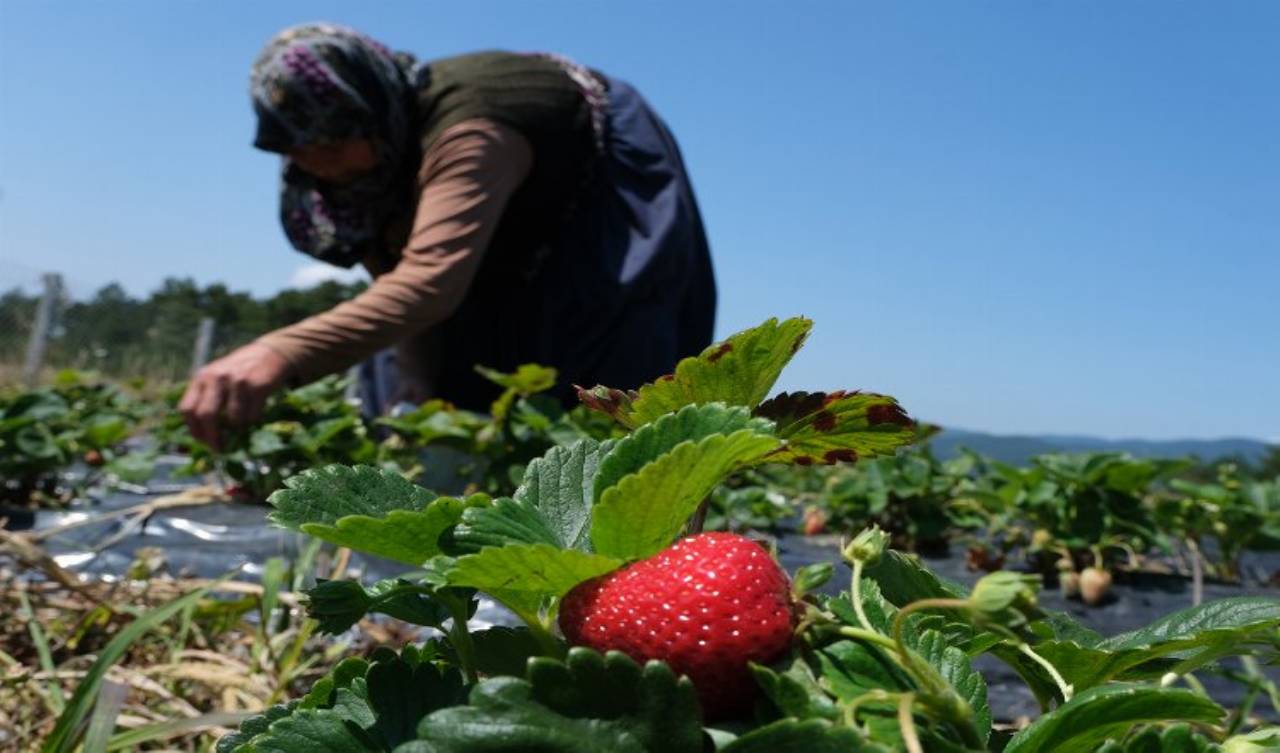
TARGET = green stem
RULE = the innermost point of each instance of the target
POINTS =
(907, 723)
(1063, 687)
(870, 636)
(855, 591)
(459, 636)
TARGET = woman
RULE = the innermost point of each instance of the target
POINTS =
(510, 208)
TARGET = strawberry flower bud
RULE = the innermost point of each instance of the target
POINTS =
(1002, 590)
(867, 546)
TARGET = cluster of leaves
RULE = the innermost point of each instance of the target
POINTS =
(301, 428)
(887, 665)
(918, 499)
(46, 430)
(319, 424)
(1063, 511)
(521, 425)
(1237, 514)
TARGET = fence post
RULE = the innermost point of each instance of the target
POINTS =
(46, 310)
(204, 344)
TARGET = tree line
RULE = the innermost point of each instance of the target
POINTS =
(121, 335)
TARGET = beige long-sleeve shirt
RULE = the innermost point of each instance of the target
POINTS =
(464, 184)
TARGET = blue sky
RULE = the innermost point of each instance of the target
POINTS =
(1016, 217)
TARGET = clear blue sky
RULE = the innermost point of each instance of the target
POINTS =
(1017, 217)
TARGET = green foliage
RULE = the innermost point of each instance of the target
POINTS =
(1238, 514)
(887, 665)
(45, 430)
(368, 509)
(301, 428)
(585, 703)
(1089, 719)
(737, 372)
(360, 707)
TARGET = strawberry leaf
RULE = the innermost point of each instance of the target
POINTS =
(652, 441)
(370, 510)
(1185, 641)
(359, 707)
(583, 704)
(523, 576)
(811, 736)
(323, 495)
(1088, 719)
(552, 505)
(739, 371)
(829, 428)
(646, 510)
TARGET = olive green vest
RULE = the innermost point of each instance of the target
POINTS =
(533, 95)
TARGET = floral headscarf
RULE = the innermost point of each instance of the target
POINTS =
(320, 83)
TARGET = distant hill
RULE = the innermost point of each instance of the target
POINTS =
(1017, 449)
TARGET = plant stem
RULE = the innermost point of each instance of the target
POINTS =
(1064, 688)
(460, 637)
(870, 636)
(855, 590)
(699, 518)
(910, 737)
(1197, 574)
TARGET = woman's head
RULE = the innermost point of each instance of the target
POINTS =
(339, 107)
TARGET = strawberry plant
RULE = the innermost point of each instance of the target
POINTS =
(522, 424)
(44, 431)
(1236, 514)
(659, 625)
(909, 495)
(311, 425)
(1088, 509)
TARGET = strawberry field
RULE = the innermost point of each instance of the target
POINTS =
(698, 565)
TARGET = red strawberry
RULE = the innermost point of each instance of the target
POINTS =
(706, 606)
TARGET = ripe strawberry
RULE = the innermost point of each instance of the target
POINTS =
(706, 606)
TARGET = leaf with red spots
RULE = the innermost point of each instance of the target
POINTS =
(739, 371)
(836, 427)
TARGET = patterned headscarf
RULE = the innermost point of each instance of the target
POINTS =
(320, 83)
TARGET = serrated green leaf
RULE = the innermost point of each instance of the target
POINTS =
(810, 736)
(738, 371)
(795, 692)
(407, 536)
(646, 510)
(584, 704)
(836, 427)
(504, 650)
(1090, 718)
(365, 707)
(324, 495)
(311, 730)
(954, 667)
(559, 485)
(1195, 636)
(523, 575)
(693, 423)
(1222, 614)
(551, 506)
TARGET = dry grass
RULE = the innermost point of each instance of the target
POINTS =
(183, 684)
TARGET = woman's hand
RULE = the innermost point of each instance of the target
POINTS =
(235, 387)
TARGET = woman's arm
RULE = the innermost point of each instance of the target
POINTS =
(465, 183)
(466, 180)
